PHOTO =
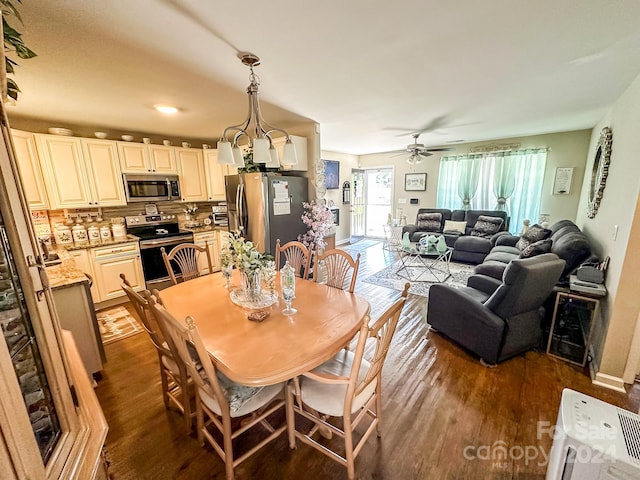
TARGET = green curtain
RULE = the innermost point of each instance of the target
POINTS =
(512, 178)
(468, 179)
(504, 179)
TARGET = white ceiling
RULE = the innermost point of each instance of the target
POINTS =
(487, 70)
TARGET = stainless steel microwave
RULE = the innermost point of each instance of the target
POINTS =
(151, 188)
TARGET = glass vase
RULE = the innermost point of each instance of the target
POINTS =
(252, 286)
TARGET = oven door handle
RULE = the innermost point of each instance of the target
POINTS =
(146, 244)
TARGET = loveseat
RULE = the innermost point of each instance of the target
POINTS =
(461, 229)
(564, 238)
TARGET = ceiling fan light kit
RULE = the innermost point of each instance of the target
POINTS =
(257, 131)
(417, 151)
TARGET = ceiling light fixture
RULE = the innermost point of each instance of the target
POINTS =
(167, 109)
(256, 130)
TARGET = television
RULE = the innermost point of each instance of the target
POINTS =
(332, 174)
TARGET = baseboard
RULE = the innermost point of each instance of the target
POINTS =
(608, 381)
(342, 242)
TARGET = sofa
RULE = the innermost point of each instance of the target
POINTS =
(564, 239)
(502, 324)
(457, 226)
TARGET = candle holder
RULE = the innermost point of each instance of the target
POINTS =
(288, 288)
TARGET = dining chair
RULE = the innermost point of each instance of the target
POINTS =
(337, 266)
(298, 256)
(185, 256)
(347, 386)
(176, 385)
(219, 398)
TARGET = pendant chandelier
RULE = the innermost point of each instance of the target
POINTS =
(257, 131)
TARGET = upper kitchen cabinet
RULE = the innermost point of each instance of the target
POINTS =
(215, 175)
(30, 170)
(301, 152)
(193, 185)
(143, 158)
(105, 176)
(80, 173)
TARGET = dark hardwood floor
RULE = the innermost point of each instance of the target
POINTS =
(439, 406)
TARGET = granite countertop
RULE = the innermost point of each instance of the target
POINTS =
(205, 228)
(65, 273)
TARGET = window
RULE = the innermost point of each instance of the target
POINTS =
(510, 181)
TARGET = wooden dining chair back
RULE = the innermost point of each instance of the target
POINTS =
(298, 256)
(185, 257)
(337, 269)
(173, 374)
(219, 398)
(347, 386)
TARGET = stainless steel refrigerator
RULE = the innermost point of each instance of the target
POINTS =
(266, 207)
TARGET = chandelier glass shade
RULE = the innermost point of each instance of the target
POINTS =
(257, 133)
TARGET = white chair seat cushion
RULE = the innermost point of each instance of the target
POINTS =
(170, 364)
(242, 399)
(329, 398)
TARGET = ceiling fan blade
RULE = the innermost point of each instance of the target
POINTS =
(399, 155)
(432, 125)
(190, 14)
(440, 149)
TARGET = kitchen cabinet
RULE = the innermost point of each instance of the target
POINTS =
(301, 153)
(77, 314)
(109, 262)
(80, 173)
(105, 176)
(215, 175)
(193, 185)
(30, 170)
(211, 238)
(147, 158)
(83, 262)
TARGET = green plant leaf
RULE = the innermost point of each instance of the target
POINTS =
(9, 64)
(9, 7)
(12, 89)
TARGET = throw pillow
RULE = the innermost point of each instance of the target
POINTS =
(429, 222)
(486, 226)
(535, 233)
(454, 227)
(537, 248)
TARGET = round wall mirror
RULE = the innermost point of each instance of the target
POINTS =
(599, 171)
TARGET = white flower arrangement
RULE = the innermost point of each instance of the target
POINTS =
(244, 255)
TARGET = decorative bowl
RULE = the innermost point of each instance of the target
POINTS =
(100, 134)
(60, 131)
(127, 138)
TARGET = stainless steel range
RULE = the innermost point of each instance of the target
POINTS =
(156, 231)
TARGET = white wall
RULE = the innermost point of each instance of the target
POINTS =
(614, 335)
(347, 162)
(566, 149)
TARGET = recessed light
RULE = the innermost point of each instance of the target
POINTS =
(167, 109)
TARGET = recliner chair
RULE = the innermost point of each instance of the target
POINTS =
(501, 325)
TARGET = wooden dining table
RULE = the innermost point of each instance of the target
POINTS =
(278, 348)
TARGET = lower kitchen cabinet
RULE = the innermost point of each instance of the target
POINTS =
(84, 263)
(211, 239)
(110, 262)
(77, 314)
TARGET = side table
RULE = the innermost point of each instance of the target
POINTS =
(392, 237)
(574, 316)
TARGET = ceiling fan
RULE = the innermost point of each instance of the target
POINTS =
(417, 151)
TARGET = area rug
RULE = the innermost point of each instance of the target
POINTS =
(387, 277)
(117, 323)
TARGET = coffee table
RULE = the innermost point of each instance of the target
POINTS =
(426, 261)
